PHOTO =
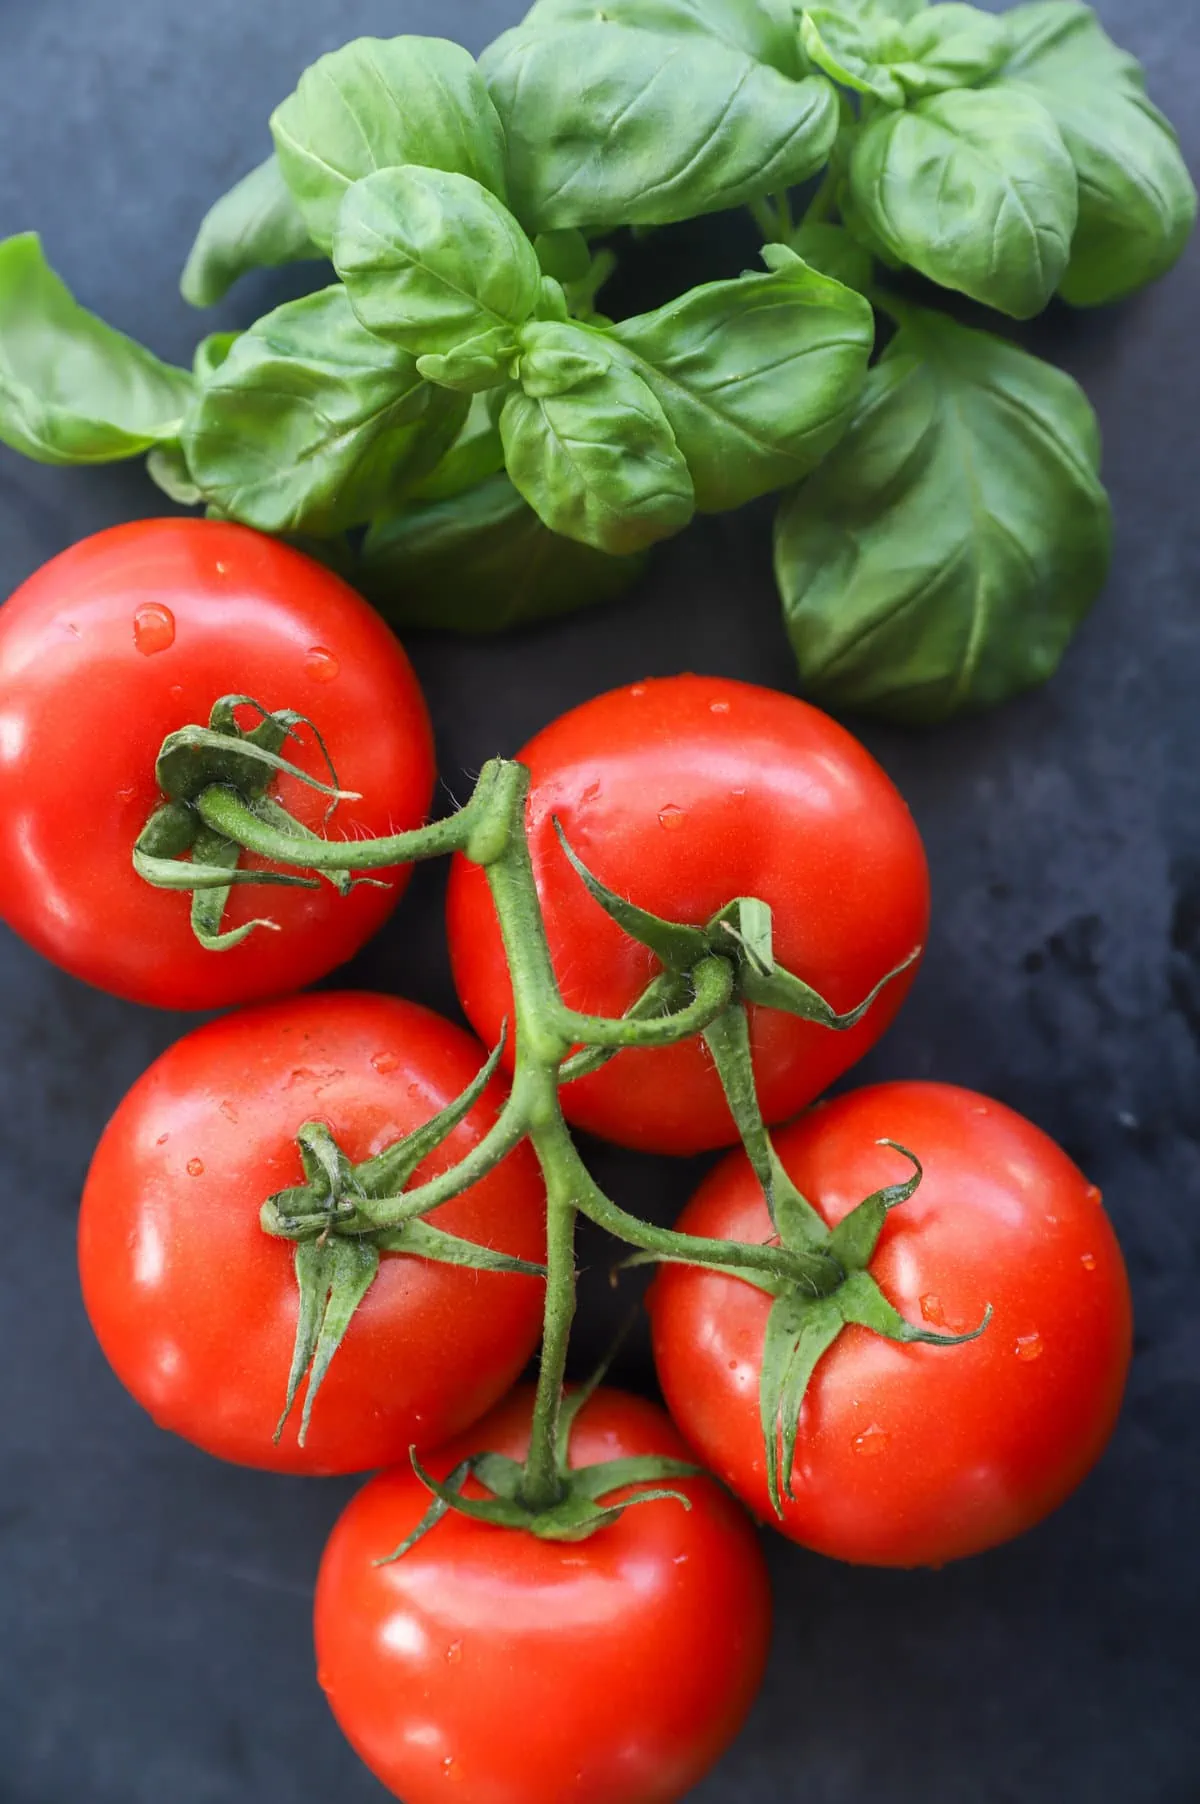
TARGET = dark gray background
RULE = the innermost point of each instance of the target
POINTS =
(154, 1606)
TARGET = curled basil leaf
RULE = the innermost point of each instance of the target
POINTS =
(589, 446)
(940, 559)
(847, 49)
(378, 103)
(757, 376)
(480, 562)
(73, 390)
(167, 467)
(609, 125)
(835, 252)
(257, 225)
(1137, 202)
(430, 258)
(764, 29)
(311, 423)
(975, 188)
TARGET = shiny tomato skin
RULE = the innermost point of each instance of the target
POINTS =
(614, 1670)
(681, 794)
(912, 1456)
(215, 609)
(195, 1307)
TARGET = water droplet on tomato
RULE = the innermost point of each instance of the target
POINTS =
(718, 707)
(385, 1062)
(195, 1168)
(229, 1112)
(637, 689)
(221, 568)
(126, 795)
(162, 1139)
(932, 1310)
(1093, 1194)
(454, 1653)
(323, 1678)
(1088, 1261)
(671, 816)
(980, 1108)
(871, 1441)
(1030, 1346)
(450, 1768)
(733, 1365)
(176, 692)
(321, 665)
(153, 628)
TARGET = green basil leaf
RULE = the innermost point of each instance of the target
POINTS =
(211, 353)
(73, 390)
(940, 559)
(758, 377)
(481, 562)
(847, 50)
(949, 46)
(974, 188)
(763, 29)
(475, 365)
(310, 421)
(430, 258)
(589, 446)
(564, 255)
(881, 12)
(257, 225)
(167, 467)
(1137, 202)
(608, 125)
(835, 252)
(378, 103)
(477, 453)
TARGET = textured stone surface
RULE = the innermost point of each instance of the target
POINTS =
(154, 1641)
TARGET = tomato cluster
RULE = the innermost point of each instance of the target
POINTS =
(610, 1659)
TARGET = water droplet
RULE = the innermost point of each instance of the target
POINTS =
(1088, 1261)
(229, 1112)
(126, 795)
(733, 1365)
(454, 1653)
(671, 816)
(680, 1559)
(1030, 1346)
(385, 1062)
(718, 707)
(980, 1108)
(175, 691)
(323, 1678)
(162, 1139)
(638, 689)
(321, 665)
(450, 1768)
(221, 568)
(1093, 1194)
(195, 1168)
(932, 1310)
(738, 794)
(871, 1441)
(153, 628)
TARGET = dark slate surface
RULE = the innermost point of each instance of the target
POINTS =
(154, 1606)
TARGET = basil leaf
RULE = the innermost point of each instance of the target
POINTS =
(1137, 202)
(608, 125)
(73, 390)
(764, 29)
(835, 252)
(975, 189)
(950, 46)
(310, 421)
(257, 225)
(757, 377)
(474, 365)
(846, 49)
(589, 446)
(477, 453)
(940, 559)
(167, 467)
(481, 562)
(378, 103)
(431, 258)
(211, 353)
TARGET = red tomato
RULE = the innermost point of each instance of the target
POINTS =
(133, 634)
(682, 794)
(613, 1670)
(911, 1456)
(196, 1307)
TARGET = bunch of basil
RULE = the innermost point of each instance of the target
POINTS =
(511, 452)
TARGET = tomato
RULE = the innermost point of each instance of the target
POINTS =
(914, 1455)
(682, 794)
(133, 634)
(613, 1670)
(195, 1306)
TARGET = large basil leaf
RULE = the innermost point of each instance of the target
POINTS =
(589, 446)
(608, 125)
(257, 225)
(757, 376)
(1137, 202)
(377, 103)
(73, 390)
(481, 561)
(764, 29)
(976, 189)
(311, 423)
(942, 556)
(431, 258)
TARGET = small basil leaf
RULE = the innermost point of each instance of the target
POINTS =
(942, 556)
(687, 125)
(975, 189)
(764, 29)
(303, 426)
(1137, 202)
(167, 467)
(833, 251)
(950, 46)
(564, 255)
(476, 453)
(378, 103)
(211, 353)
(845, 49)
(431, 258)
(474, 365)
(482, 562)
(73, 390)
(257, 225)
(590, 448)
(757, 377)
